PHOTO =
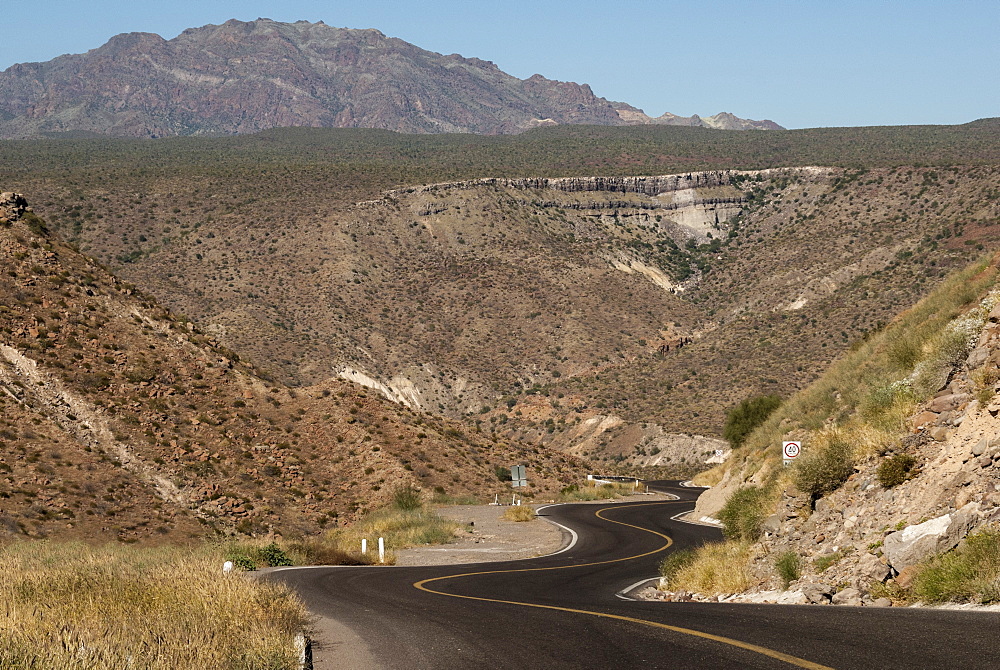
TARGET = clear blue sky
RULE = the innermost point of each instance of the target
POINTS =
(803, 64)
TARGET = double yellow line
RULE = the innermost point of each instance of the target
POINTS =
(792, 660)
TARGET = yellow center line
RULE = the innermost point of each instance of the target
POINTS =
(787, 658)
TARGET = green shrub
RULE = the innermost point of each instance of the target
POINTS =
(970, 573)
(789, 568)
(675, 562)
(748, 415)
(273, 555)
(824, 468)
(241, 561)
(406, 498)
(744, 513)
(895, 470)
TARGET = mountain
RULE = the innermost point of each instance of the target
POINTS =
(722, 121)
(122, 420)
(243, 77)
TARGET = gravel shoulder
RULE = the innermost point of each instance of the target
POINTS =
(491, 538)
(488, 539)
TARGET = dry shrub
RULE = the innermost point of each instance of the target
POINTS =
(591, 490)
(72, 606)
(710, 477)
(825, 463)
(717, 568)
(519, 513)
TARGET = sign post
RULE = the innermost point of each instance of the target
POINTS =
(790, 451)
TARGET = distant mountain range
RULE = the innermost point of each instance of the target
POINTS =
(243, 77)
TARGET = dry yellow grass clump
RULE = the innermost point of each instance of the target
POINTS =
(73, 606)
(719, 568)
(519, 513)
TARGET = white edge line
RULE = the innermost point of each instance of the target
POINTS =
(574, 537)
(621, 594)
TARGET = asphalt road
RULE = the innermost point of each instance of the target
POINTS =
(562, 611)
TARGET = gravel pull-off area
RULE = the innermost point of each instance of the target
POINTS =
(490, 538)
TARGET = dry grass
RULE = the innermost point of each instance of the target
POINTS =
(710, 477)
(590, 490)
(716, 568)
(872, 391)
(401, 528)
(519, 513)
(73, 606)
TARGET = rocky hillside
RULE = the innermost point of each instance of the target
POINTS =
(242, 77)
(119, 419)
(901, 463)
(605, 316)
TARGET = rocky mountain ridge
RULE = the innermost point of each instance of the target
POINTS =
(243, 77)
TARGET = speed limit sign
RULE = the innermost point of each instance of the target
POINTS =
(790, 451)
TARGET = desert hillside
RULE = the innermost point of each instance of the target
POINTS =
(896, 495)
(119, 419)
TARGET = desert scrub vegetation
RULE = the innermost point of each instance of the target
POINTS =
(715, 568)
(75, 606)
(407, 522)
(742, 419)
(854, 412)
(745, 511)
(673, 564)
(969, 573)
(858, 409)
(519, 513)
(789, 567)
(896, 469)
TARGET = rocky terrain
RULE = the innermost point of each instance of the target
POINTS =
(242, 77)
(120, 419)
(865, 541)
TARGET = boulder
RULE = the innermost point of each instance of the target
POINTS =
(882, 602)
(938, 433)
(924, 419)
(913, 544)
(772, 524)
(994, 314)
(871, 569)
(977, 357)
(816, 593)
(980, 447)
(946, 403)
(849, 596)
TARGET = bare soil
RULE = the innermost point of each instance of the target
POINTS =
(487, 538)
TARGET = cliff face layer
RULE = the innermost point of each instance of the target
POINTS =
(242, 77)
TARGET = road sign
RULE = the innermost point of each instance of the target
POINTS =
(518, 477)
(790, 451)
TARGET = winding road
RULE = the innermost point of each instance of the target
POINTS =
(563, 611)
